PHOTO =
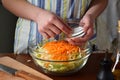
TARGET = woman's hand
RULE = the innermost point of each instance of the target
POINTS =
(50, 25)
(87, 23)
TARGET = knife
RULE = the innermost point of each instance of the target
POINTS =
(19, 73)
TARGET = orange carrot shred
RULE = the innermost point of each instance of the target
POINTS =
(60, 49)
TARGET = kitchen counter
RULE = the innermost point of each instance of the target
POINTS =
(88, 72)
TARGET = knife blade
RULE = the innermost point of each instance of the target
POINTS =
(19, 73)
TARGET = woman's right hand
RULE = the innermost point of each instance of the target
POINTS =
(50, 25)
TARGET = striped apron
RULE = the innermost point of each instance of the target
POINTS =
(27, 35)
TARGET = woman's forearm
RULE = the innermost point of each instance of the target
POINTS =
(22, 8)
(96, 7)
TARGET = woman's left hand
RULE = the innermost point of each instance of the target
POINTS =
(87, 22)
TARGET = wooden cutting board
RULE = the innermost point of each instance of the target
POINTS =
(19, 66)
(7, 76)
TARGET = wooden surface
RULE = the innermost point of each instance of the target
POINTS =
(88, 72)
(7, 76)
(21, 67)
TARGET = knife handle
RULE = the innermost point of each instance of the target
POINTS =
(27, 75)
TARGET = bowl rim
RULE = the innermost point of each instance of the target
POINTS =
(86, 56)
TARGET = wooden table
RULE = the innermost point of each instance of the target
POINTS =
(88, 72)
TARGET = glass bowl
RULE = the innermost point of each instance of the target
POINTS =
(60, 67)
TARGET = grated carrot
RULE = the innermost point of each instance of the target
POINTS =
(60, 49)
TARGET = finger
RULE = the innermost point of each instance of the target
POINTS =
(79, 44)
(81, 23)
(85, 25)
(89, 33)
(85, 28)
(87, 36)
(65, 23)
(45, 35)
(63, 27)
(46, 31)
(70, 41)
(78, 39)
(75, 43)
(50, 32)
(53, 28)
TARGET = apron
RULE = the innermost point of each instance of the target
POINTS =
(27, 35)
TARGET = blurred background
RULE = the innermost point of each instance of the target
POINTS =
(7, 29)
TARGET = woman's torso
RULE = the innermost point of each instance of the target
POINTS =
(26, 30)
